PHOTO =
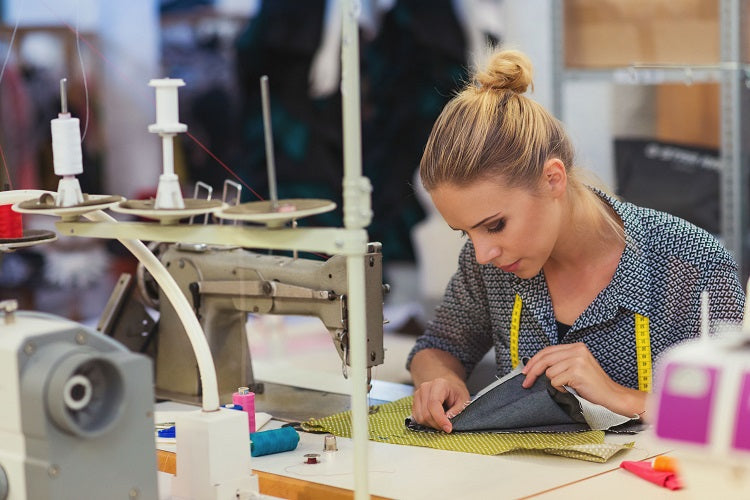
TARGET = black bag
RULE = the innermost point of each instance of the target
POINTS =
(678, 179)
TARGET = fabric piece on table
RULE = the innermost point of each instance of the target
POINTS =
(386, 425)
(506, 406)
(644, 470)
(509, 407)
(599, 417)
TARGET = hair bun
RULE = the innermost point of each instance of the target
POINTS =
(506, 70)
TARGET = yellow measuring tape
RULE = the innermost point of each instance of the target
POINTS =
(642, 344)
(643, 352)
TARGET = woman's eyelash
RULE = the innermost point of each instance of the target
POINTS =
(496, 228)
(499, 226)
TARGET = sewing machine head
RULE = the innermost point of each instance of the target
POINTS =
(225, 284)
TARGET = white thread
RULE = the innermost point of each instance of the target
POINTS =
(83, 76)
(66, 146)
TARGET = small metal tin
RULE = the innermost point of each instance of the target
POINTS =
(329, 443)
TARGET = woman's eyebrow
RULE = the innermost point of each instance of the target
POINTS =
(477, 224)
(484, 220)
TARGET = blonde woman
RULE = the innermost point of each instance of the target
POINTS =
(553, 270)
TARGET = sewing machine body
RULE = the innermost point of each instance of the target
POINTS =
(702, 398)
(225, 284)
(77, 414)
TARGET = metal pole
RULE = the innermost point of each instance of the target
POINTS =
(733, 180)
(357, 215)
(268, 135)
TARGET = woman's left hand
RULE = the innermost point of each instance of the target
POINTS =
(574, 366)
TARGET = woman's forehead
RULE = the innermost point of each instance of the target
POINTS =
(464, 206)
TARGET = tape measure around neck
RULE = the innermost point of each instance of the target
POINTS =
(643, 352)
(642, 344)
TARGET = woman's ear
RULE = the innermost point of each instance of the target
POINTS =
(554, 177)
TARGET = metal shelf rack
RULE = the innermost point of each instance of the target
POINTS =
(732, 73)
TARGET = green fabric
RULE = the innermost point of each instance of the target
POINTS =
(386, 425)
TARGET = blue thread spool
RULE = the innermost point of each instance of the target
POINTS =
(274, 441)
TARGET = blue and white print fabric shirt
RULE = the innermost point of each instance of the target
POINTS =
(665, 266)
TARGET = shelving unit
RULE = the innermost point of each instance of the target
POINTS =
(731, 72)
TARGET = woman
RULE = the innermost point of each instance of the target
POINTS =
(590, 289)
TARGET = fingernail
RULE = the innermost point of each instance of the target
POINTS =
(449, 415)
(447, 428)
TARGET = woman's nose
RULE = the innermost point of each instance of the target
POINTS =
(485, 251)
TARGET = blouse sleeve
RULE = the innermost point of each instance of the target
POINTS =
(725, 292)
(462, 322)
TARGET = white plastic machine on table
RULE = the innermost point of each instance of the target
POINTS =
(701, 406)
(76, 419)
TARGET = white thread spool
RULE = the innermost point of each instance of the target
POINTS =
(66, 145)
(168, 194)
(167, 108)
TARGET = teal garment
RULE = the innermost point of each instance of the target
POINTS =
(280, 42)
(402, 101)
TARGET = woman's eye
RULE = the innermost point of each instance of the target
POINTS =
(497, 227)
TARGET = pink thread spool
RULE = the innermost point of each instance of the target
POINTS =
(246, 400)
(11, 225)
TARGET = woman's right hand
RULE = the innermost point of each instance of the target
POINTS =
(435, 401)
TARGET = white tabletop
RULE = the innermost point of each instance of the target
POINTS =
(411, 472)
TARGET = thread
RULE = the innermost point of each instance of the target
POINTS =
(11, 224)
(66, 146)
(83, 75)
(274, 441)
(246, 399)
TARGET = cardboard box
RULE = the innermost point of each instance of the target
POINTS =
(616, 33)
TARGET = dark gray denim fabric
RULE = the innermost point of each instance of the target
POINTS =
(509, 407)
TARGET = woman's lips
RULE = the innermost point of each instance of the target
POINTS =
(511, 267)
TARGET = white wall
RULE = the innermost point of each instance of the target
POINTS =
(587, 105)
(29, 12)
(130, 40)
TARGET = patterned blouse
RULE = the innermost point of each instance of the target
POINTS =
(665, 266)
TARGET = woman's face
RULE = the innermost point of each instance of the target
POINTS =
(514, 229)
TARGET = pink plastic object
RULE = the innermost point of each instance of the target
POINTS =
(246, 400)
(741, 440)
(686, 403)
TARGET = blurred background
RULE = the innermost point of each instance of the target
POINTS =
(638, 84)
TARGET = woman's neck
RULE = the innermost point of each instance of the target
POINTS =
(587, 237)
(584, 260)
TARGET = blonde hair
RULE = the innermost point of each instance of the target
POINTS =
(491, 131)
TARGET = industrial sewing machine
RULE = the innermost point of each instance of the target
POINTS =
(224, 284)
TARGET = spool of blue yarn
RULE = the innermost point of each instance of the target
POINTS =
(274, 441)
